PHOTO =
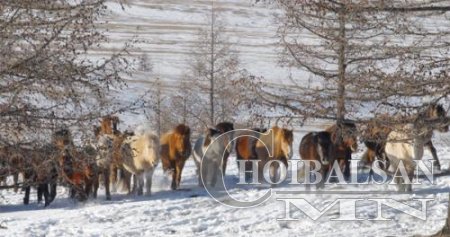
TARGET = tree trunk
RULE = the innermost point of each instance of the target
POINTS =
(340, 100)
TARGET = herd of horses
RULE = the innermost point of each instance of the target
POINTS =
(131, 158)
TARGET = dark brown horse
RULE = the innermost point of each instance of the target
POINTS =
(75, 168)
(41, 171)
(246, 149)
(345, 142)
(175, 150)
(38, 167)
(318, 146)
(225, 127)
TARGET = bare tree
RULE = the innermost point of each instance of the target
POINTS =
(361, 58)
(47, 79)
(214, 67)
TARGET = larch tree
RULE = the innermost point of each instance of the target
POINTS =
(47, 78)
(214, 66)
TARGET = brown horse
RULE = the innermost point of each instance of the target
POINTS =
(345, 142)
(246, 149)
(318, 146)
(12, 164)
(278, 141)
(225, 127)
(175, 150)
(76, 169)
(109, 161)
(41, 171)
(37, 167)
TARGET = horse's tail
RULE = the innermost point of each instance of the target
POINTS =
(197, 153)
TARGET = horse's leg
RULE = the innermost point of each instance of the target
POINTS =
(26, 187)
(179, 170)
(16, 181)
(53, 191)
(149, 176)
(140, 179)
(106, 176)
(46, 194)
(40, 191)
(215, 172)
(174, 178)
(96, 184)
(203, 178)
(346, 163)
(224, 165)
(432, 149)
(88, 186)
(274, 174)
(112, 177)
(248, 167)
(199, 175)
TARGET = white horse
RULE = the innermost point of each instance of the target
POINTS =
(407, 144)
(140, 156)
(208, 153)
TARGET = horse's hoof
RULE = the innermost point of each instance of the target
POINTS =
(108, 198)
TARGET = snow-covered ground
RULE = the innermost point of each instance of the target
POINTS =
(191, 212)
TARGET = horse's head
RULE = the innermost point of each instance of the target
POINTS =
(62, 138)
(183, 143)
(437, 112)
(323, 140)
(349, 136)
(286, 139)
(227, 128)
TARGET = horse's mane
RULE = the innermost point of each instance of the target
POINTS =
(182, 129)
(279, 134)
(225, 127)
(109, 124)
(346, 127)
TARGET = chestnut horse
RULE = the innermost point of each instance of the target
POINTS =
(175, 150)
(407, 143)
(246, 149)
(345, 142)
(226, 127)
(75, 168)
(318, 146)
(278, 141)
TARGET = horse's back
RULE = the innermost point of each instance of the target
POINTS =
(399, 146)
(144, 149)
(307, 147)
